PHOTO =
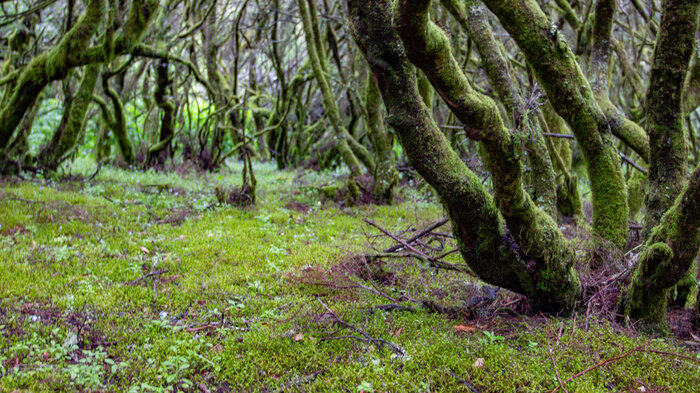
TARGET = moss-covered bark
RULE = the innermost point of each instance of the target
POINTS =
(668, 255)
(103, 145)
(622, 127)
(522, 115)
(220, 88)
(386, 177)
(489, 249)
(18, 149)
(569, 14)
(568, 196)
(318, 58)
(47, 67)
(116, 119)
(73, 50)
(65, 138)
(668, 168)
(571, 96)
(158, 153)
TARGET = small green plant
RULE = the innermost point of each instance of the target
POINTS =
(492, 337)
(365, 387)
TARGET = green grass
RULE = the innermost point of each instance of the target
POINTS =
(234, 307)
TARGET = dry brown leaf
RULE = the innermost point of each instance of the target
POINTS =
(464, 328)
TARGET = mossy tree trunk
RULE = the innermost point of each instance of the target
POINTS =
(74, 50)
(116, 119)
(18, 149)
(668, 169)
(486, 245)
(568, 196)
(626, 130)
(673, 202)
(568, 90)
(46, 67)
(668, 255)
(319, 64)
(220, 88)
(65, 138)
(158, 153)
(523, 114)
(386, 177)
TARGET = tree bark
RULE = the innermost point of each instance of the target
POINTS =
(571, 96)
(158, 153)
(668, 168)
(65, 138)
(485, 243)
(668, 255)
(72, 51)
(319, 64)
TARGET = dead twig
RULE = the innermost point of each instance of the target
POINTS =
(420, 234)
(378, 342)
(603, 363)
(677, 355)
(554, 362)
(633, 164)
(436, 262)
(462, 381)
(145, 276)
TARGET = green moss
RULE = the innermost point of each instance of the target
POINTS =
(67, 257)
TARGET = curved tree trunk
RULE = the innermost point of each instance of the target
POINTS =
(319, 64)
(73, 50)
(668, 255)
(486, 245)
(116, 119)
(672, 202)
(65, 138)
(47, 67)
(523, 115)
(158, 153)
(669, 158)
(386, 177)
(626, 130)
(571, 96)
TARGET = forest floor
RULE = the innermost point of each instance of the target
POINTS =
(142, 282)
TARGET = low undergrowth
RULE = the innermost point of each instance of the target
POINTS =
(143, 282)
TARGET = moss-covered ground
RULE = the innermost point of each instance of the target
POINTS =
(141, 282)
